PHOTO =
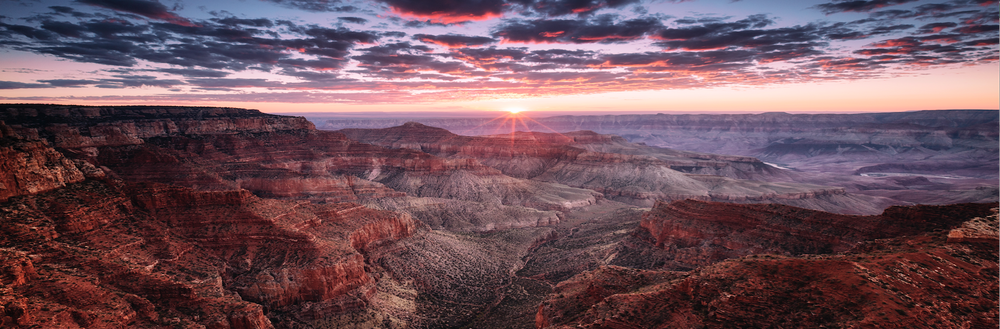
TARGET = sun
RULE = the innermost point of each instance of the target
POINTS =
(515, 110)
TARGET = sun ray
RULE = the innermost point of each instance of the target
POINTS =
(550, 129)
(482, 124)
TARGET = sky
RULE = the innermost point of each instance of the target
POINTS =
(469, 56)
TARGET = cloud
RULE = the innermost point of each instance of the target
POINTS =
(861, 6)
(28, 31)
(744, 33)
(580, 7)
(935, 27)
(148, 9)
(454, 40)
(21, 85)
(316, 5)
(448, 11)
(402, 60)
(235, 21)
(195, 73)
(602, 29)
(355, 20)
(69, 82)
(395, 66)
(138, 81)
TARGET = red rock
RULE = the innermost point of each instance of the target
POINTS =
(914, 279)
(170, 248)
(28, 167)
(699, 233)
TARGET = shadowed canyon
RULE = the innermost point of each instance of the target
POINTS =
(197, 217)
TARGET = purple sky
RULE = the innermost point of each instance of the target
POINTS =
(552, 55)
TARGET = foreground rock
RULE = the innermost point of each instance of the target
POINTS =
(921, 280)
(96, 254)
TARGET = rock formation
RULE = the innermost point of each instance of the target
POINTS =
(956, 149)
(98, 254)
(699, 233)
(139, 216)
(620, 170)
(917, 279)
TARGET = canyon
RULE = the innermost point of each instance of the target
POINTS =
(198, 217)
(953, 154)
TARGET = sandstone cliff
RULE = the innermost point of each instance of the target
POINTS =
(899, 281)
(698, 233)
(271, 156)
(96, 255)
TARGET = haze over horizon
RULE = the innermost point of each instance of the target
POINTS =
(545, 56)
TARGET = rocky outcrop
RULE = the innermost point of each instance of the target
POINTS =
(87, 126)
(977, 230)
(28, 167)
(914, 279)
(467, 216)
(214, 258)
(698, 233)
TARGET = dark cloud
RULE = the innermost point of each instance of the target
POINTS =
(454, 40)
(491, 54)
(697, 52)
(930, 11)
(221, 43)
(63, 10)
(714, 27)
(27, 31)
(69, 82)
(935, 27)
(355, 20)
(63, 28)
(317, 5)
(234, 83)
(978, 28)
(861, 6)
(312, 75)
(459, 11)
(403, 60)
(449, 11)
(890, 29)
(145, 8)
(137, 81)
(234, 21)
(112, 29)
(745, 33)
(108, 52)
(581, 7)
(21, 85)
(321, 64)
(602, 29)
(195, 73)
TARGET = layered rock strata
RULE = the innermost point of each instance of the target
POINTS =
(918, 278)
(622, 171)
(96, 255)
(698, 233)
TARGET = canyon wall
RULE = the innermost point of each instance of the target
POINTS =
(915, 278)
